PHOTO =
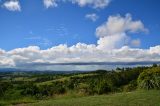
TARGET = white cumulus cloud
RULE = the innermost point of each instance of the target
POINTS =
(118, 24)
(114, 32)
(50, 3)
(12, 5)
(92, 3)
(77, 53)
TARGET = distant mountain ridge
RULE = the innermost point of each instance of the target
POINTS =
(143, 63)
(101, 63)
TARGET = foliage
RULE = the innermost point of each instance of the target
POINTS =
(131, 86)
(150, 78)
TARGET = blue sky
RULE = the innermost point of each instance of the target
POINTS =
(62, 31)
(67, 23)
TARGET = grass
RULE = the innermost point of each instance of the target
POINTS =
(51, 81)
(23, 100)
(136, 98)
(63, 79)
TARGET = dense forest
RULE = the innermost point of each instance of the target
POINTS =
(39, 85)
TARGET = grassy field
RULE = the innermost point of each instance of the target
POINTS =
(64, 79)
(136, 98)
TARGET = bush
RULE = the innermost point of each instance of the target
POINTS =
(131, 86)
(150, 79)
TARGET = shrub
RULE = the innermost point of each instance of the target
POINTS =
(131, 86)
(150, 79)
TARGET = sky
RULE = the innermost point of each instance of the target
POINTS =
(63, 31)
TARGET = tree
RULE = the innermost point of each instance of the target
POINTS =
(154, 65)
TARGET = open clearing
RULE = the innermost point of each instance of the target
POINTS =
(136, 98)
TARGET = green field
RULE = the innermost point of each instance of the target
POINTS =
(136, 98)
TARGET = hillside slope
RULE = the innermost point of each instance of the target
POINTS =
(137, 98)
